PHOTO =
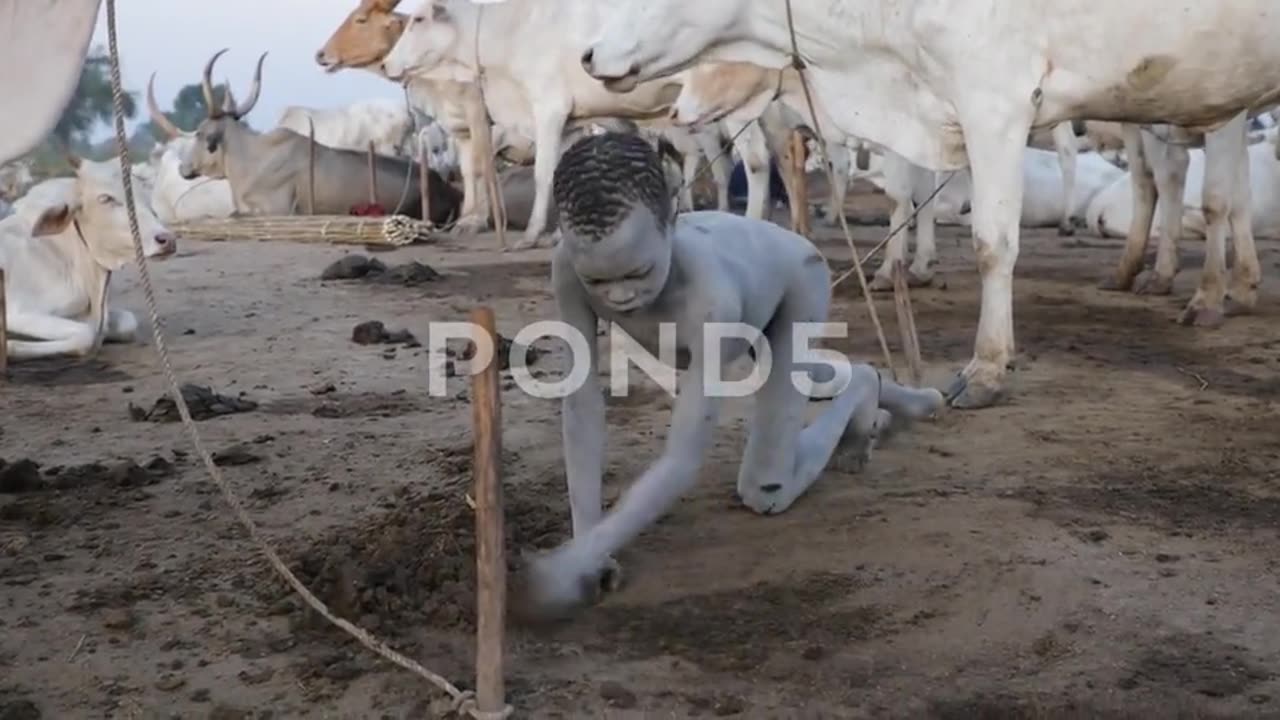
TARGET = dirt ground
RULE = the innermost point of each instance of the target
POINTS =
(1103, 545)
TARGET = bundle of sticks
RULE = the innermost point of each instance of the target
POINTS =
(393, 230)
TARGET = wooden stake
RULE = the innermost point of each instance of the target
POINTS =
(797, 154)
(4, 332)
(424, 179)
(373, 178)
(311, 167)
(491, 564)
(907, 323)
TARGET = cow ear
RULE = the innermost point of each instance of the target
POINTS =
(52, 221)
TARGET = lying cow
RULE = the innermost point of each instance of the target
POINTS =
(58, 250)
(173, 197)
(269, 172)
(385, 123)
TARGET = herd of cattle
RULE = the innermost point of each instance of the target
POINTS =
(700, 91)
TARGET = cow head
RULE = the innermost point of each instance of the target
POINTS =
(428, 39)
(648, 39)
(96, 209)
(711, 91)
(208, 154)
(364, 38)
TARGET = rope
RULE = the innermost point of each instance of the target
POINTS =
(463, 701)
(838, 203)
(725, 149)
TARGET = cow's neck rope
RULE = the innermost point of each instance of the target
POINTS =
(463, 701)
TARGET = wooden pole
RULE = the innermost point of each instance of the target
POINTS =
(424, 179)
(907, 323)
(373, 177)
(491, 564)
(311, 167)
(4, 332)
(800, 192)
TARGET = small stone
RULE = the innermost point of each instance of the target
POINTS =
(19, 710)
(234, 455)
(1096, 535)
(617, 696)
(729, 705)
(118, 619)
(201, 695)
(324, 389)
(169, 683)
(1167, 558)
(368, 333)
(21, 476)
(813, 652)
(256, 677)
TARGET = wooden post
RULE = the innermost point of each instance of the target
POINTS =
(907, 323)
(491, 564)
(4, 332)
(800, 192)
(373, 177)
(424, 179)
(311, 167)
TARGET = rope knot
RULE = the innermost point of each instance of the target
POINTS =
(797, 62)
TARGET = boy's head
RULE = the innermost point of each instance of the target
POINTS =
(615, 218)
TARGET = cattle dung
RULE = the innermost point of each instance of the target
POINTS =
(360, 267)
(203, 403)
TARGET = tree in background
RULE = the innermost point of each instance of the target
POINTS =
(92, 103)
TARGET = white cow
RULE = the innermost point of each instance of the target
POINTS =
(42, 50)
(58, 250)
(1158, 160)
(385, 123)
(744, 92)
(174, 198)
(1042, 201)
(1111, 212)
(534, 80)
(950, 83)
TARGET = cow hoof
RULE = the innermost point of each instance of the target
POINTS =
(1155, 285)
(468, 226)
(919, 279)
(1116, 284)
(966, 393)
(1068, 230)
(1234, 308)
(1203, 317)
(880, 283)
(550, 587)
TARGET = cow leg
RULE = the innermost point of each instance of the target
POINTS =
(1224, 154)
(923, 183)
(898, 187)
(1170, 167)
(838, 162)
(689, 173)
(475, 196)
(754, 151)
(122, 326)
(1246, 273)
(996, 144)
(1142, 180)
(1064, 141)
(721, 169)
(51, 336)
(546, 153)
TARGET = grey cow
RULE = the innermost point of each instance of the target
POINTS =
(268, 172)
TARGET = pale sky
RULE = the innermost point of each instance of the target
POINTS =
(174, 38)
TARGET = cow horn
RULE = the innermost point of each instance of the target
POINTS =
(228, 99)
(255, 90)
(158, 118)
(206, 85)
